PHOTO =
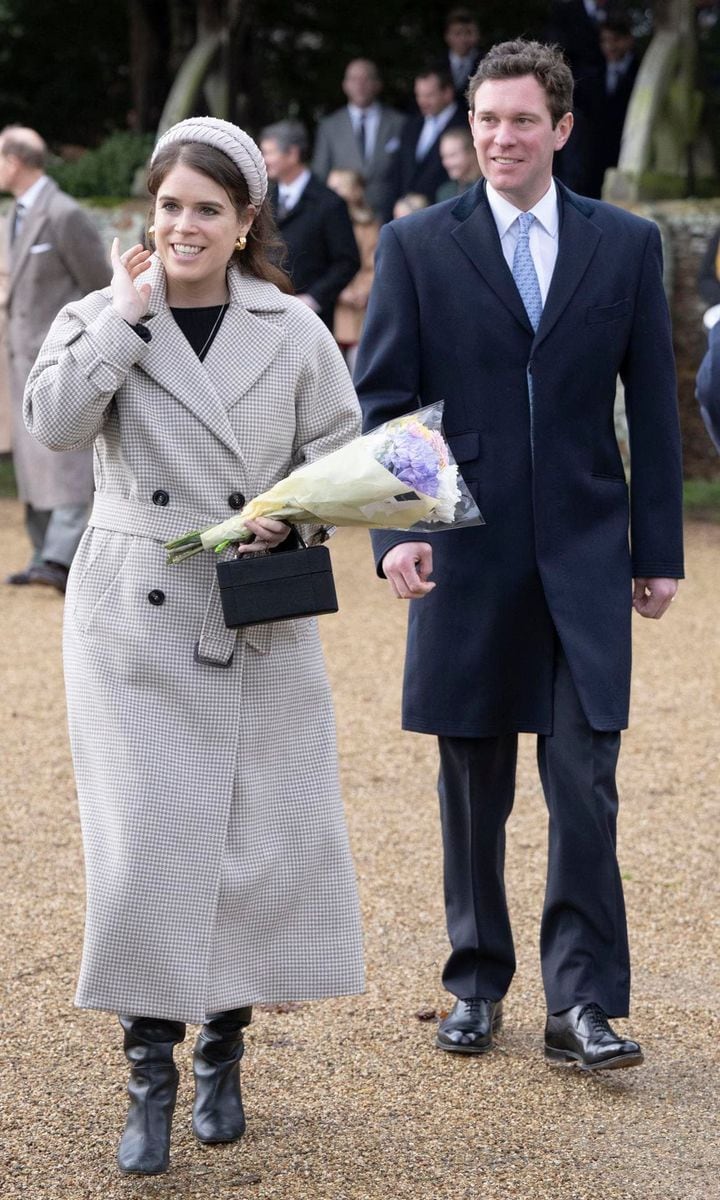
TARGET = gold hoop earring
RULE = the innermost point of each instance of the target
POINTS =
(241, 243)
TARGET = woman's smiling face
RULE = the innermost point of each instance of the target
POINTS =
(196, 227)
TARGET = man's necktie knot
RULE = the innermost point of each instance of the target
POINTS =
(524, 272)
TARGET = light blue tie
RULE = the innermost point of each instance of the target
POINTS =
(524, 272)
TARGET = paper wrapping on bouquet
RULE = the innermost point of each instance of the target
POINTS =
(401, 475)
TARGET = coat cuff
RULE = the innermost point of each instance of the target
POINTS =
(106, 349)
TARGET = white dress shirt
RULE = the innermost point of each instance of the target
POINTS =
(543, 232)
(25, 202)
(431, 130)
(290, 193)
(372, 124)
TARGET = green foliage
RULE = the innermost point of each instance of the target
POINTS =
(702, 499)
(7, 477)
(107, 171)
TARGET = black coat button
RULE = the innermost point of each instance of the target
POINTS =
(156, 596)
(236, 500)
(160, 497)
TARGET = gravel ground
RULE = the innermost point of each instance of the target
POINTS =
(348, 1099)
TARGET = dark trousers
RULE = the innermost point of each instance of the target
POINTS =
(583, 938)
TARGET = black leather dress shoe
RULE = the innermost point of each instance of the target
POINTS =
(18, 578)
(49, 574)
(582, 1037)
(469, 1027)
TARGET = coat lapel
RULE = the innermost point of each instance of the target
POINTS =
(578, 240)
(240, 353)
(246, 343)
(19, 251)
(577, 243)
(477, 236)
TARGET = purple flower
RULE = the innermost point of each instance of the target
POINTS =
(413, 459)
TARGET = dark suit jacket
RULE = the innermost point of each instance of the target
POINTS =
(708, 387)
(708, 282)
(446, 322)
(406, 174)
(594, 144)
(322, 253)
(336, 146)
(569, 26)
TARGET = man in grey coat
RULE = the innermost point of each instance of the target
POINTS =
(55, 255)
(362, 136)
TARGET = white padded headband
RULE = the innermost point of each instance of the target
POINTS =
(231, 140)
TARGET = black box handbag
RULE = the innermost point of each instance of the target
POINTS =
(277, 587)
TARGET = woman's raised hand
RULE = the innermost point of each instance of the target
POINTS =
(130, 302)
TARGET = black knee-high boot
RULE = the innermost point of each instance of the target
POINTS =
(218, 1110)
(145, 1144)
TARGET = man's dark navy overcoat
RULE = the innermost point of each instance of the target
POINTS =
(563, 536)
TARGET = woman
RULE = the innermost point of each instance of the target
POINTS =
(218, 870)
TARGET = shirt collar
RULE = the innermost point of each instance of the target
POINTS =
(546, 210)
(291, 192)
(444, 115)
(356, 112)
(29, 197)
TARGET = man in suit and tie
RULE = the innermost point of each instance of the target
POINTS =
(462, 38)
(417, 166)
(519, 304)
(55, 255)
(602, 101)
(314, 223)
(363, 136)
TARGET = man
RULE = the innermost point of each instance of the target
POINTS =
(417, 167)
(518, 305)
(602, 99)
(55, 255)
(462, 38)
(575, 25)
(458, 157)
(313, 221)
(708, 380)
(363, 136)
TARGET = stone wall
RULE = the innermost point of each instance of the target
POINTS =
(687, 226)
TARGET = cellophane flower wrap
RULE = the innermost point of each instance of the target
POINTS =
(400, 475)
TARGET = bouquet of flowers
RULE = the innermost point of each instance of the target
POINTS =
(400, 475)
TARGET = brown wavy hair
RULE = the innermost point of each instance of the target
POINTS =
(265, 249)
(509, 60)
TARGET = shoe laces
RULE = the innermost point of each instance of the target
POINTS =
(475, 1002)
(597, 1017)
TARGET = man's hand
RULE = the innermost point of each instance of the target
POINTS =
(407, 568)
(652, 597)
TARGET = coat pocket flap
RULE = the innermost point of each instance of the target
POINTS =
(607, 312)
(465, 446)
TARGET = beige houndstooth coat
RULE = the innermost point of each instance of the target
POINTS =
(217, 861)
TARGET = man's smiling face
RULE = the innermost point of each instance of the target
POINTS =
(514, 137)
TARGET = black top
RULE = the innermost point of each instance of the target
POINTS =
(200, 325)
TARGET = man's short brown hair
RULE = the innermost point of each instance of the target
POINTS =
(510, 60)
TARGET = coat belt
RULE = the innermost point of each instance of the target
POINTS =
(216, 643)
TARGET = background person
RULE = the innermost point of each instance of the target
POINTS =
(362, 136)
(519, 305)
(54, 254)
(417, 166)
(314, 223)
(352, 301)
(462, 37)
(459, 160)
(217, 861)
